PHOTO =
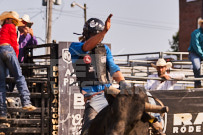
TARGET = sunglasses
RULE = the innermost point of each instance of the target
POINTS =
(29, 25)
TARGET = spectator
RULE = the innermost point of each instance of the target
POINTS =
(167, 84)
(26, 36)
(8, 61)
(196, 52)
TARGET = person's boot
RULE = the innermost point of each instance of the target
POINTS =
(29, 107)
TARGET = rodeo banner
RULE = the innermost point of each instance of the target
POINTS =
(71, 100)
(185, 114)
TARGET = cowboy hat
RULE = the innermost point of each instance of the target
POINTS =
(200, 21)
(11, 14)
(26, 18)
(162, 62)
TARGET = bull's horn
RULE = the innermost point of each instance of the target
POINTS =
(155, 108)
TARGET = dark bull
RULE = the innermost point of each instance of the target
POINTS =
(125, 114)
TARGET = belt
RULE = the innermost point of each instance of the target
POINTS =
(4, 44)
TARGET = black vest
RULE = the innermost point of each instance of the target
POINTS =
(91, 69)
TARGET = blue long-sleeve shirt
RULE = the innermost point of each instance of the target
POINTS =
(196, 42)
(76, 50)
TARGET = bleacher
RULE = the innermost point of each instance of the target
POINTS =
(137, 67)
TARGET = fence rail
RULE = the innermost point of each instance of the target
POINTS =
(38, 122)
(136, 67)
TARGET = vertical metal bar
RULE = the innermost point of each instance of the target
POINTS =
(42, 109)
(160, 54)
(49, 99)
(181, 57)
(128, 57)
(49, 73)
(147, 70)
(132, 71)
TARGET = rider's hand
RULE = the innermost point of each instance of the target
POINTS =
(108, 23)
(124, 85)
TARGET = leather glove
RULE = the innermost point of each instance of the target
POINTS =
(124, 85)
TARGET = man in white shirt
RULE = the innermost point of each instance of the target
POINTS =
(166, 84)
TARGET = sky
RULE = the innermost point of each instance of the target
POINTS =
(137, 26)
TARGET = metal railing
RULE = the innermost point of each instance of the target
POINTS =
(38, 121)
(136, 67)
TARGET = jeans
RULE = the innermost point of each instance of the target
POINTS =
(9, 61)
(196, 62)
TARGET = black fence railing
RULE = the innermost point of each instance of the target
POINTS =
(39, 78)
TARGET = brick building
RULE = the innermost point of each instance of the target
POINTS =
(189, 11)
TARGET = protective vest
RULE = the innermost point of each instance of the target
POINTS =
(91, 69)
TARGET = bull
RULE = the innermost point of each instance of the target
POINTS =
(125, 114)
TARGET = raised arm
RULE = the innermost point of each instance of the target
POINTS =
(94, 40)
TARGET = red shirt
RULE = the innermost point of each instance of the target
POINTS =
(8, 35)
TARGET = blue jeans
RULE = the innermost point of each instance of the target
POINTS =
(196, 62)
(9, 61)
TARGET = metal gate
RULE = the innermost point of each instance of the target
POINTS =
(42, 80)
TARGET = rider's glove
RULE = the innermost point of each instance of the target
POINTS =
(124, 85)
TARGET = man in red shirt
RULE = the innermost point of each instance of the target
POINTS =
(9, 61)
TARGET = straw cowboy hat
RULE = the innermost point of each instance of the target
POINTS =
(162, 62)
(200, 21)
(11, 14)
(26, 18)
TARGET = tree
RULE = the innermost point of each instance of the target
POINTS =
(175, 42)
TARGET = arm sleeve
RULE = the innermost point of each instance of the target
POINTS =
(152, 84)
(111, 66)
(75, 50)
(33, 41)
(196, 44)
(13, 39)
(177, 76)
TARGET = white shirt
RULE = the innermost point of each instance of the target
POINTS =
(165, 85)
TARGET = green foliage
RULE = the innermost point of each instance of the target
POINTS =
(175, 42)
